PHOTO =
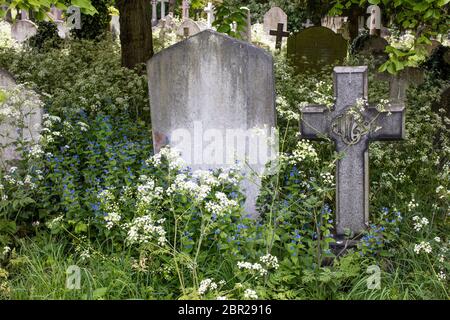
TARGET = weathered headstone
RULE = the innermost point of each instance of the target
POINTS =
(370, 45)
(374, 21)
(188, 28)
(352, 129)
(312, 48)
(162, 3)
(247, 33)
(217, 107)
(273, 17)
(30, 114)
(154, 13)
(399, 83)
(23, 29)
(115, 26)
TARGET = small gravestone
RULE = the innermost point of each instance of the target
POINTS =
(188, 28)
(115, 26)
(399, 83)
(272, 18)
(28, 113)
(22, 30)
(246, 35)
(213, 98)
(315, 47)
(352, 129)
(370, 45)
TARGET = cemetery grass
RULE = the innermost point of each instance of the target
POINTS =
(96, 158)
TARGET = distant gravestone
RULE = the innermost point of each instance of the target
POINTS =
(30, 115)
(115, 26)
(312, 48)
(399, 83)
(352, 129)
(22, 30)
(272, 18)
(370, 45)
(188, 28)
(218, 107)
(247, 33)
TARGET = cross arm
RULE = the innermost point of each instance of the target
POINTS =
(314, 122)
(389, 124)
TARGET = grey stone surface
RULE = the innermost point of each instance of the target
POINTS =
(192, 27)
(22, 30)
(273, 17)
(351, 136)
(217, 84)
(30, 114)
(315, 47)
(399, 83)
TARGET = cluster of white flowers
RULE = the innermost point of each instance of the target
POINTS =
(442, 192)
(171, 155)
(83, 126)
(250, 294)
(112, 211)
(55, 222)
(423, 246)
(303, 151)
(256, 268)
(327, 178)
(412, 205)
(284, 111)
(222, 205)
(270, 261)
(403, 42)
(6, 250)
(205, 285)
(145, 229)
(441, 275)
(419, 223)
(182, 184)
(147, 192)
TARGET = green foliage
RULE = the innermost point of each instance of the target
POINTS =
(40, 8)
(425, 18)
(96, 25)
(226, 15)
(46, 36)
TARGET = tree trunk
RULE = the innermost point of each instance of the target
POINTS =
(135, 31)
(353, 14)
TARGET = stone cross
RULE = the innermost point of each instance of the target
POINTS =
(307, 24)
(185, 9)
(374, 21)
(279, 33)
(209, 9)
(163, 8)
(154, 16)
(352, 129)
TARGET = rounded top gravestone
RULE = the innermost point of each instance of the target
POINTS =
(312, 48)
(22, 30)
(273, 17)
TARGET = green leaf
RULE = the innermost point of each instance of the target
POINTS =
(99, 293)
